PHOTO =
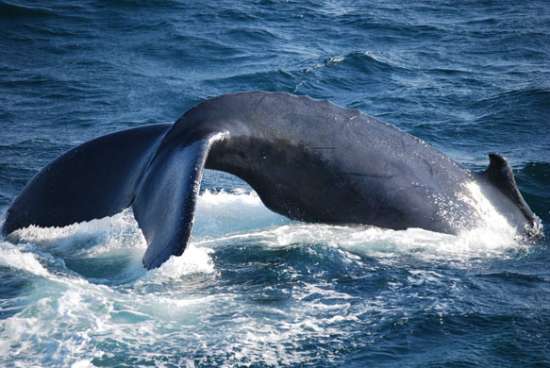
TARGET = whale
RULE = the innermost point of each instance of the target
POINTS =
(307, 159)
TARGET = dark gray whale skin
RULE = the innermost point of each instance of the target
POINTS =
(308, 160)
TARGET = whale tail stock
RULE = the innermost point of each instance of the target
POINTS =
(106, 175)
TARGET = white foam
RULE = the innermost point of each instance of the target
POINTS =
(195, 260)
(14, 257)
(69, 319)
(117, 236)
(492, 235)
(85, 363)
(90, 237)
(489, 219)
(71, 322)
(222, 212)
(384, 243)
(224, 217)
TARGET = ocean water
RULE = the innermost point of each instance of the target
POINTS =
(253, 288)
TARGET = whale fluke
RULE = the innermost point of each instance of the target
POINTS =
(165, 200)
(126, 169)
(93, 180)
(308, 160)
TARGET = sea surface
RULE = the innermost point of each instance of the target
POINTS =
(253, 288)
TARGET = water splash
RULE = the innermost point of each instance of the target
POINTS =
(225, 217)
(13, 257)
(110, 322)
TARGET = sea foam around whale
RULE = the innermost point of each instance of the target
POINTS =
(89, 276)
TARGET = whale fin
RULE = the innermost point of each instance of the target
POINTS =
(499, 173)
(165, 202)
(93, 180)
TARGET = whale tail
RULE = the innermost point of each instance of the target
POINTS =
(165, 200)
(293, 151)
(104, 176)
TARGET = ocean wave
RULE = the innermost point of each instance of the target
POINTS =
(521, 110)
(534, 181)
(505, 123)
(237, 15)
(364, 66)
(366, 61)
(515, 277)
(534, 96)
(253, 34)
(271, 80)
(394, 27)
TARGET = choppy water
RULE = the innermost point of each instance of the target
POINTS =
(254, 289)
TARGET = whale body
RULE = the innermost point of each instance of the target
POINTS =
(308, 160)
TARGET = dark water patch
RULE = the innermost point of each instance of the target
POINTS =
(523, 112)
(277, 80)
(483, 21)
(24, 82)
(10, 10)
(534, 181)
(136, 4)
(450, 72)
(13, 180)
(363, 62)
(252, 35)
(534, 98)
(353, 76)
(112, 269)
(237, 15)
(439, 340)
(51, 31)
(185, 50)
(516, 278)
(11, 284)
(282, 267)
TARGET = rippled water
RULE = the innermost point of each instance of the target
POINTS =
(253, 288)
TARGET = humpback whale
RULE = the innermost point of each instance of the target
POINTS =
(307, 159)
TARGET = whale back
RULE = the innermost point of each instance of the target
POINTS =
(314, 161)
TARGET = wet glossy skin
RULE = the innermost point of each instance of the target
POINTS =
(308, 160)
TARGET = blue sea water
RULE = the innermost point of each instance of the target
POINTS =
(253, 288)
